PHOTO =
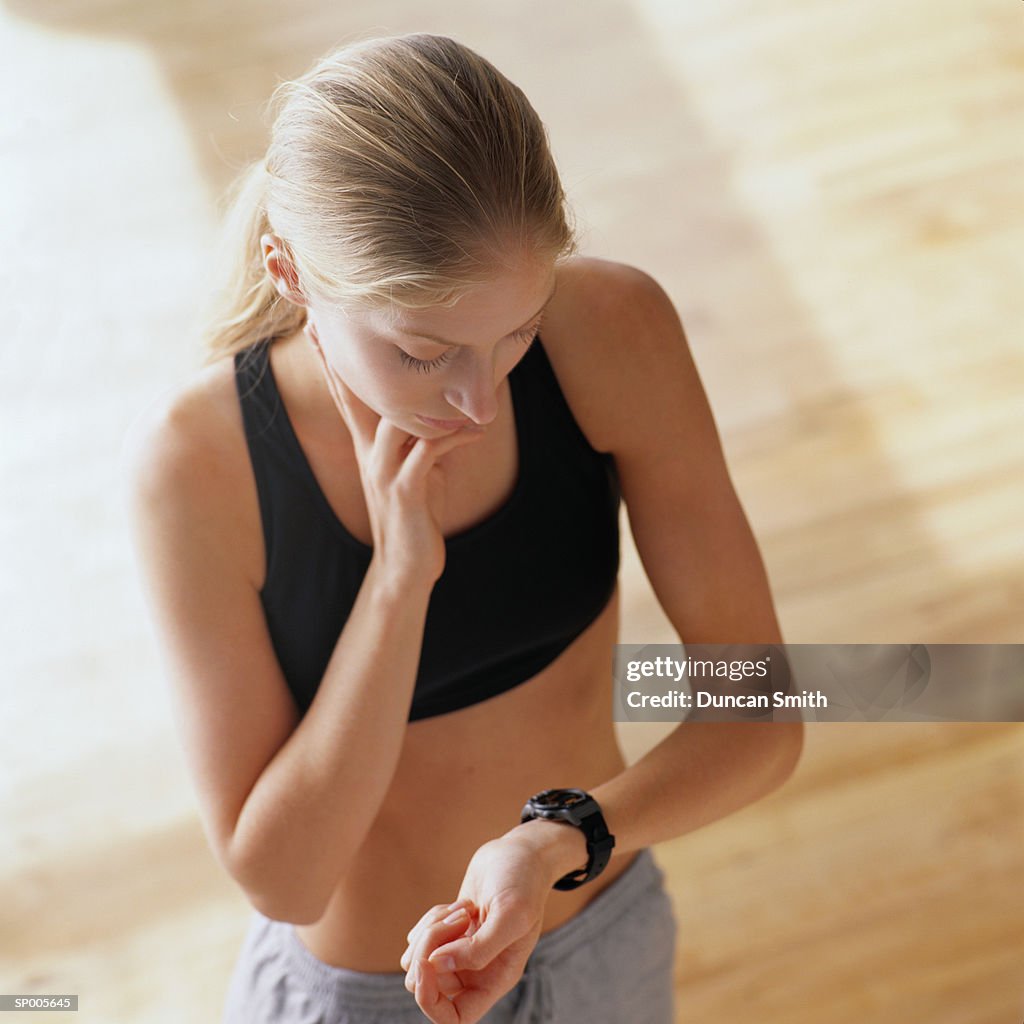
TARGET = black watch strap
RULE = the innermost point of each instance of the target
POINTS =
(579, 809)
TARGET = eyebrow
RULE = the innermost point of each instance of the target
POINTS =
(452, 344)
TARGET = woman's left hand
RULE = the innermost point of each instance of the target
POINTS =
(508, 884)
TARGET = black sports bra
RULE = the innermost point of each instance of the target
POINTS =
(517, 588)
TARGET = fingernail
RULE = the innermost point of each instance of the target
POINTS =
(445, 963)
(453, 917)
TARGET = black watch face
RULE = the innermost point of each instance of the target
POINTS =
(559, 798)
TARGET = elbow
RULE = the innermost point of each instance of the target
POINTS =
(293, 900)
(291, 903)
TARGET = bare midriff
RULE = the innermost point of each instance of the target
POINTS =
(461, 780)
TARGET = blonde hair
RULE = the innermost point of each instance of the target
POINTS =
(401, 171)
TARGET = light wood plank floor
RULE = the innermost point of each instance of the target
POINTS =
(831, 193)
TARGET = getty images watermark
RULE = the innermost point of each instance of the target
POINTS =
(819, 682)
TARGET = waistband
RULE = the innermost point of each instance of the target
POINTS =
(387, 991)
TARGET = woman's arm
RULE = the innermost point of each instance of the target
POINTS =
(618, 350)
(285, 801)
(639, 397)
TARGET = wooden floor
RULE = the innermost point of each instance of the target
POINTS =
(832, 193)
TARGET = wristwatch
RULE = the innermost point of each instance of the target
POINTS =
(575, 807)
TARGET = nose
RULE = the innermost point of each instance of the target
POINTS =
(475, 395)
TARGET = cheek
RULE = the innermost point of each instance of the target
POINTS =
(380, 383)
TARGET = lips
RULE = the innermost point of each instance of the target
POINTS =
(444, 424)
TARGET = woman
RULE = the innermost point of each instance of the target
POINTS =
(380, 533)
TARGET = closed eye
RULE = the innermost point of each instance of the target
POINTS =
(423, 365)
(526, 336)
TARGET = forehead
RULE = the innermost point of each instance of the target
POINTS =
(505, 303)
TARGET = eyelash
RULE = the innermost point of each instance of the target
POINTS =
(526, 337)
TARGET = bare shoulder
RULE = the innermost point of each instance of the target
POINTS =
(186, 457)
(188, 435)
(610, 332)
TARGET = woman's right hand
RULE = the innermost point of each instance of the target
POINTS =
(404, 487)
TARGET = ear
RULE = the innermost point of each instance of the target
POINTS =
(278, 263)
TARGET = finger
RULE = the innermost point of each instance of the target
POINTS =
(436, 913)
(427, 451)
(447, 982)
(474, 952)
(430, 999)
(392, 444)
(471, 1004)
(414, 936)
(436, 934)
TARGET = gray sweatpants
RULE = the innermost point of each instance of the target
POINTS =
(612, 963)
